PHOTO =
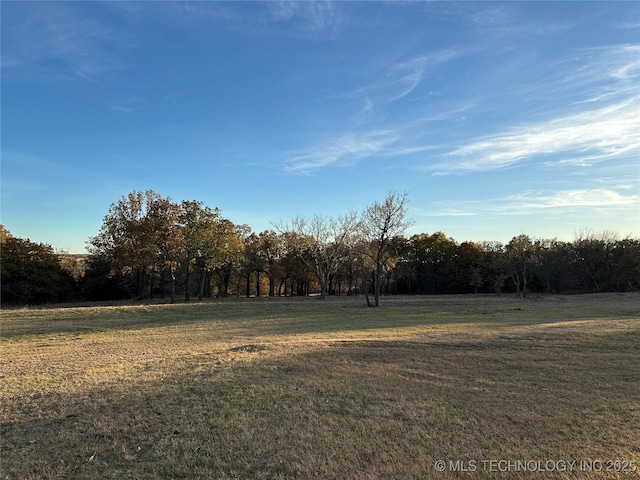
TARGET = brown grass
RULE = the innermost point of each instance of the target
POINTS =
(303, 388)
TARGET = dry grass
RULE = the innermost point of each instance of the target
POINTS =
(301, 388)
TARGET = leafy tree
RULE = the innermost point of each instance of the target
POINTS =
(229, 252)
(31, 273)
(74, 265)
(390, 267)
(471, 258)
(443, 259)
(4, 234)
(553, 271)
(100, 282)
(625, 274)
(417, 258)
(293, 266)
(141, 234)
(200, 226)
(146, 239)
(496, 266)
(252, 262)
(404, 269)
(520, 252)
(166, 230)
(269, 249)
(123, 241)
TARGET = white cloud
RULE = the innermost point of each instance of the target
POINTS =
(348, 149)
(613, 69)
(536, 203)
(582, 138)
(595, 197)
(601, 75)
(444, 212)
(339, 152)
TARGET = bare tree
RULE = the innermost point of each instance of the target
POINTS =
(380, 223)
(321, 243)
(594, 254)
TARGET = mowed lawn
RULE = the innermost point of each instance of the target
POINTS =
(274, 388)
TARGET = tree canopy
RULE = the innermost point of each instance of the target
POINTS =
(151, 246)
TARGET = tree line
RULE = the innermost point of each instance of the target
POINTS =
(149, 246)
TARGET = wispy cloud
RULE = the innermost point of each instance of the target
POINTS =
(350, 148)
(605, 73)
(600, 75)
(505, 19)
(582, 138)
(535, 203)
(586, 108)
(405, 76)
(630, 25)
(128, 104)
(396, 79)
(308, 19)
(594, 197)
(443, 212)
(53, 42)
(340, 152)
(368, 136)
(311, 18)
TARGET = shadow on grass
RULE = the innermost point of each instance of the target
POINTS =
(275, 316)
(375, 409)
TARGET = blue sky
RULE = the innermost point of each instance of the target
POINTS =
(497, 118)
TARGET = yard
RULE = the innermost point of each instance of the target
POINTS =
(280, 388)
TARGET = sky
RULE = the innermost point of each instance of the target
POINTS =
(497, 119)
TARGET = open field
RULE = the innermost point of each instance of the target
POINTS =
(304, 388)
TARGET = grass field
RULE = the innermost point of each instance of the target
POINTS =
(274, 388)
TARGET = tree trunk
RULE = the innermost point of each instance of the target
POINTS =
(203, 276)
(172, 276)
(141, 282)
(223, 285)
(516, 280)
(376, 286)
(187, 288)
(272, 286)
